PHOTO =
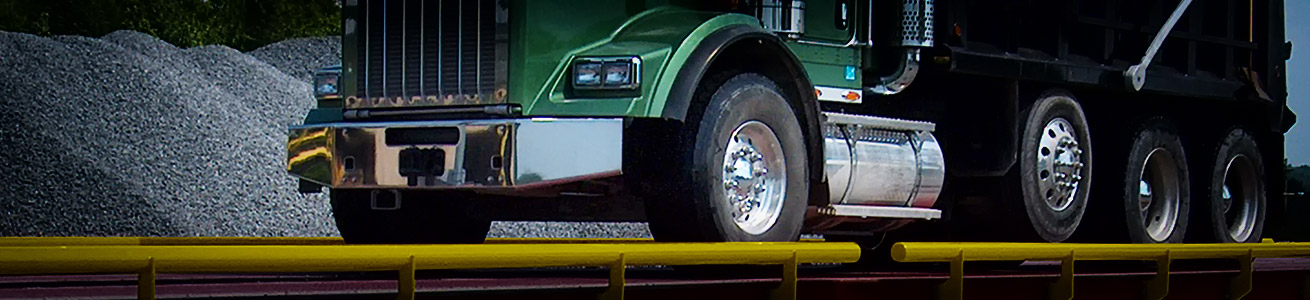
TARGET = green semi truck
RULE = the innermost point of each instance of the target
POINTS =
(760, 120)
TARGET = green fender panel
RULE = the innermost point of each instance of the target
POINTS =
(664, 38)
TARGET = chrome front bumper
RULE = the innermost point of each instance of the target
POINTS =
(498, 153)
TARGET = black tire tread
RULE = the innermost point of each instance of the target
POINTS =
(1213, 229)
(1155, 132)
(1045, 224)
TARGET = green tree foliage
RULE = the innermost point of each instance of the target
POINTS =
(1298, 178)
(240, 24)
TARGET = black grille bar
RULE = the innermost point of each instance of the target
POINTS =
(430, 52)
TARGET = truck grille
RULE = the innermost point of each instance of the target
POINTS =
(427, 53)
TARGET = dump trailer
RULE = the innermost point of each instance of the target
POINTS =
(1156, 121)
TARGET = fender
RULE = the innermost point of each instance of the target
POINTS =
(678, 48)
(678, 96)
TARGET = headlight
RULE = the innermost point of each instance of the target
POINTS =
(607, 73)
(586, 74)
(327, 83)
(618, 73)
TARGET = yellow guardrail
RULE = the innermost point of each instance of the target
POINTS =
(232, 241)
(150, 256)
(1157, 286)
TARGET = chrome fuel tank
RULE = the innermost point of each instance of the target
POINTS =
(896, 163)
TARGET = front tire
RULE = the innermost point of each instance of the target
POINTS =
(423, 217)
(741, 165)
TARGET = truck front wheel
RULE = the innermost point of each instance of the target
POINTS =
(366, 216)
(741, 168)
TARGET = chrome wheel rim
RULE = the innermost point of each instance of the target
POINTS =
(754, 181)
(1059, 164)
(1158, 192)
(1240, 195)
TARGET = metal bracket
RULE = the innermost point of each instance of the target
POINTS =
(1136, 74)
(1241, 284)
(618, 271)
(145, 281)
(1063, 288)
(787, 288)
(407, 285)
(953, 288)
(1158, 286)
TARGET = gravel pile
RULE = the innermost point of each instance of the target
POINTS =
(127, 135)
(300, 57)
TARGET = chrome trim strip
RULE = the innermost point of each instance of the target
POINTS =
(496, 153)
(879, 122)
(869, 19)
(852, 42)
(880, 212)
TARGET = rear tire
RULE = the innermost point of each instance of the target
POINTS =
(1156, 191)
(423, 217)
(760, 193)
(1235, 209)
(1055, 167)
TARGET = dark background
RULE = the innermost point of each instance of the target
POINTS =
(241, 24)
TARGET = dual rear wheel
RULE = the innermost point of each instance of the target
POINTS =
(1151, 200)
(1156, 190)
(1236, 203)
(1159, 204)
